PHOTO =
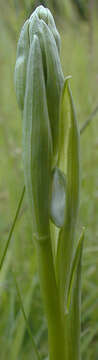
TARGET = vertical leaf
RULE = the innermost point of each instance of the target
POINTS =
(73, 164)
(73, 272)
(66, 236)
(64, 117)
(73, 317)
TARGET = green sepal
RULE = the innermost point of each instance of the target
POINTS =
(54, 84)
(21, 64)
(45, 15)
(53, 75)
(37, 142)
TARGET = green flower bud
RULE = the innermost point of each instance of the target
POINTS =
(21, 64)
(54, 78)
(33, 26)
(38, 82)
(42, 24)
(45, 15)
(54, 84)
(37, 142)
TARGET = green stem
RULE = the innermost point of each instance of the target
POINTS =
(51, 301)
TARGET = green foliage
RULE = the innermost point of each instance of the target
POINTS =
(21, 252)
(82, 8)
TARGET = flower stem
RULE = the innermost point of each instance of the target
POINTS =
(51, 301)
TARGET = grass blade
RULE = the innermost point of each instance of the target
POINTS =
(36, 353)
(12, 227)
(88, 121)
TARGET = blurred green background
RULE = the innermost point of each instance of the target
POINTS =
(77, 22)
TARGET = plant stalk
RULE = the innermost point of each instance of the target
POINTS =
(56, 338)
